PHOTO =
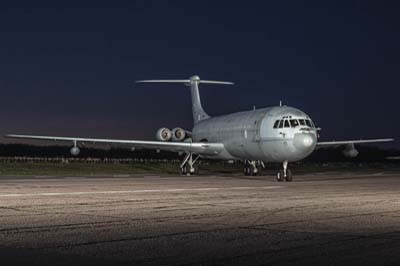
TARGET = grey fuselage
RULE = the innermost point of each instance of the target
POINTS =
(251, 135)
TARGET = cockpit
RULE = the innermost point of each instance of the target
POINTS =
(289, 122)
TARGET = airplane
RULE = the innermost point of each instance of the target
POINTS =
(279, 134)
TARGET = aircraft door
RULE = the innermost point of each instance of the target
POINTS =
(257, 127)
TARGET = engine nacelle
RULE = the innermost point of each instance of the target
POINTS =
(164, 134)
(74, 151)
(350, 152)
(179, 134)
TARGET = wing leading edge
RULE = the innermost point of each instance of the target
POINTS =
(194, 147)
(346, 142)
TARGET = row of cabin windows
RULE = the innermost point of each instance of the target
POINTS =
(293, 123)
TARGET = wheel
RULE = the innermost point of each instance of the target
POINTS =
(184, 170)
(259, 170)
(280, 176)
(289, 177)
(196, 170)
(248, 171)
(251, 171)
(191, 170)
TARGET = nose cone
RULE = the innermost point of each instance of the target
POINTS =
(305, 142)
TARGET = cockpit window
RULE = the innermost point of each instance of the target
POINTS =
(280, 123)
(287, 123)
(276, 123)
(302, 122)
(308, 123)
(294, 122)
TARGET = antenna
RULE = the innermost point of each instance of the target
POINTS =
(280, 103)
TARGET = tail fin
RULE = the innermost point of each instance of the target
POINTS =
(193, 82)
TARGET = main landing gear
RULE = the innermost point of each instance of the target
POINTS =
(253, 168)
(188, 166)
(285, 174)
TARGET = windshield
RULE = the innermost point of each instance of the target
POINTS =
(287, 123)
(280, 123)
(294, 122)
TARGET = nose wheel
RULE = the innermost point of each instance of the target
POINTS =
(285, 174)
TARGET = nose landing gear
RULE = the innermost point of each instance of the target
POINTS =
(285, 174)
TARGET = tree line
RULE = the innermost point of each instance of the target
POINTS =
(366, 153)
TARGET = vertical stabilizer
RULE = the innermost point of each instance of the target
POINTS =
(197, 109)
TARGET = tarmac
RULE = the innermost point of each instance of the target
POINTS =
(334, 218)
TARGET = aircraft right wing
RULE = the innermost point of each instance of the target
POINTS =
(351, 142)
(194, 147)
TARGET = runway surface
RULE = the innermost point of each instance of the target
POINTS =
(320, 219)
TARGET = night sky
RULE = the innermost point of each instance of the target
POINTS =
(70, 70)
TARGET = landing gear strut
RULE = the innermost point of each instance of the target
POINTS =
(253, 168)
(188, 166)
(285, 174)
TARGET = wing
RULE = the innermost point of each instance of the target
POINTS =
(346, 142)
(194, 147)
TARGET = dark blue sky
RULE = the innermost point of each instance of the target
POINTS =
(70, 70)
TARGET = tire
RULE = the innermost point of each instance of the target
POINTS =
(184, 170)
(280, 176)
(255, 171)
(289, 176)
(248, 171)
(251, 171)
(196, 170)
(259, 170)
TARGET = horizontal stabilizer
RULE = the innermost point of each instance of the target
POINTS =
(194, 79)
(184, 81)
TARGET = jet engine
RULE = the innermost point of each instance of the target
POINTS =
(164, 134)
(350, 151)
(179, 134)
(74, 151)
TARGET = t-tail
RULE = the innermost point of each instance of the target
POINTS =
(193, 82)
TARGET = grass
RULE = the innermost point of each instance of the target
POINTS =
(87, 169)
(109, 169)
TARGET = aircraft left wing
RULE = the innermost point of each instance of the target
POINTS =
(351, 142)
(194, 147)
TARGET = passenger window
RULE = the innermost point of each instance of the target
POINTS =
(302, 122)
(294, 123)
(280, 123)
(308, 123)
(276, 124)
(287, 123)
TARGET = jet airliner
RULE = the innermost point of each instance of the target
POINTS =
(274, 134)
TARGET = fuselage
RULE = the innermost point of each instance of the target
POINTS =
(273, 134)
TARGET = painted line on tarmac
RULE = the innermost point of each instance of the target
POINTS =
(133, 191)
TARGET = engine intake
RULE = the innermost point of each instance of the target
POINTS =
(74, 151)
(179, 134)
(350, 151)
(164, 134)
